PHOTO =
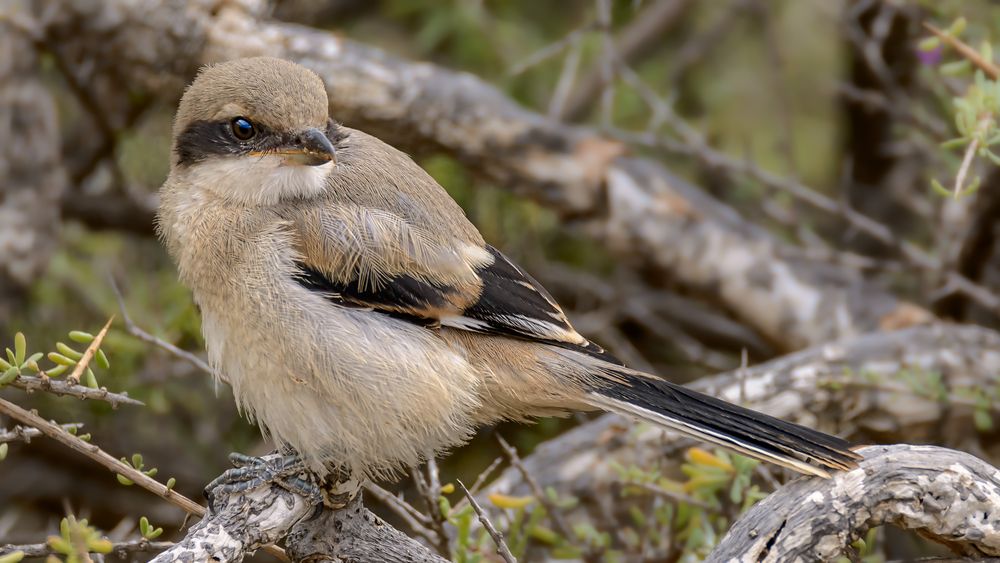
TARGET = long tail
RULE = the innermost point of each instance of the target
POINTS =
(698, 415)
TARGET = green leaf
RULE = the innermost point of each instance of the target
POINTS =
(3, 451)
(957, 27)
(955, 143)
(12, 557)
(4, 365)
(137, 460)
(102, 360)
(939, 189)
(929, 43)
(20, 348)
(56, 371)
(81, 337)
(89, 379)
(170, 483)
(955, 68)
(57, 358)
(8, 376)
(68, 352)
(124, 480)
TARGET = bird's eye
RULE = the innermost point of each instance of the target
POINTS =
(243, 129)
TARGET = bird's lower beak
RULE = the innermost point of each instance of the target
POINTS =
(311, 148)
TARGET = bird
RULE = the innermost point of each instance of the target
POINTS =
(359, 316)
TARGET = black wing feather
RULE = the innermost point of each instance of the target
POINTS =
(511, 303)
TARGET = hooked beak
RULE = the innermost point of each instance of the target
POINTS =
(310, 147)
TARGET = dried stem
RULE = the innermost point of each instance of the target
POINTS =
(502, 550)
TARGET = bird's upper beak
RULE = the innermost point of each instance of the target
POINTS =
(310, 147)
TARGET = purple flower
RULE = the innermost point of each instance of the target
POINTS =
(929, 58)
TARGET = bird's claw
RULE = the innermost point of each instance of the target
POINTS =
(248, 473)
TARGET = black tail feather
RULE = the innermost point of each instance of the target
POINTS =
(752, 433)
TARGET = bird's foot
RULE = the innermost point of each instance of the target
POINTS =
(287, 471)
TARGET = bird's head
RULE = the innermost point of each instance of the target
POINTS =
(255, 131)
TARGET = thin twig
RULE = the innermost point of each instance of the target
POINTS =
(141, 334)
(417, 521)
(95, 453)
(26, 433)
(970, 153)
(502, 550)
(478, 484)
(991, 70)
(42, 382)
(430, 490)
(555, 513)
(88, 354)
(121, 549)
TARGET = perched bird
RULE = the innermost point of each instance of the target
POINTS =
(358, 315)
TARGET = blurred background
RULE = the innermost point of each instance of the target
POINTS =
(816, 126)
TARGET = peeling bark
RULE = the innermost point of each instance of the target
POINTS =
(241, 522)
(947, 496)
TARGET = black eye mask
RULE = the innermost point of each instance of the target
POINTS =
(202, 139)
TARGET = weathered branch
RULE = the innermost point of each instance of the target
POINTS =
(632, 204)
(907, 385)
(947, 496)
(241, 522)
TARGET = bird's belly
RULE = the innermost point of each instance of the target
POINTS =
(342, 386)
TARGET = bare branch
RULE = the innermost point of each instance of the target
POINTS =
(502, 550)
(121, 549)
(31, 383)
(95, 453)
(947, 496)
(141, 334)
(26, 433)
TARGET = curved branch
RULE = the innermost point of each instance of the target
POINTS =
(947, 496)
(888, 387)
(240, 522)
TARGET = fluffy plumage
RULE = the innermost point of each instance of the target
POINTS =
(361, 318)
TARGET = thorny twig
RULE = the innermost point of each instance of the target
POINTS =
(479, 482)
(26, 433)
(88, 354)
(502, 550)
(95, 453)
(45, 383)
(116, 466)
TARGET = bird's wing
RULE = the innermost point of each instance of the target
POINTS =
(375, 259)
